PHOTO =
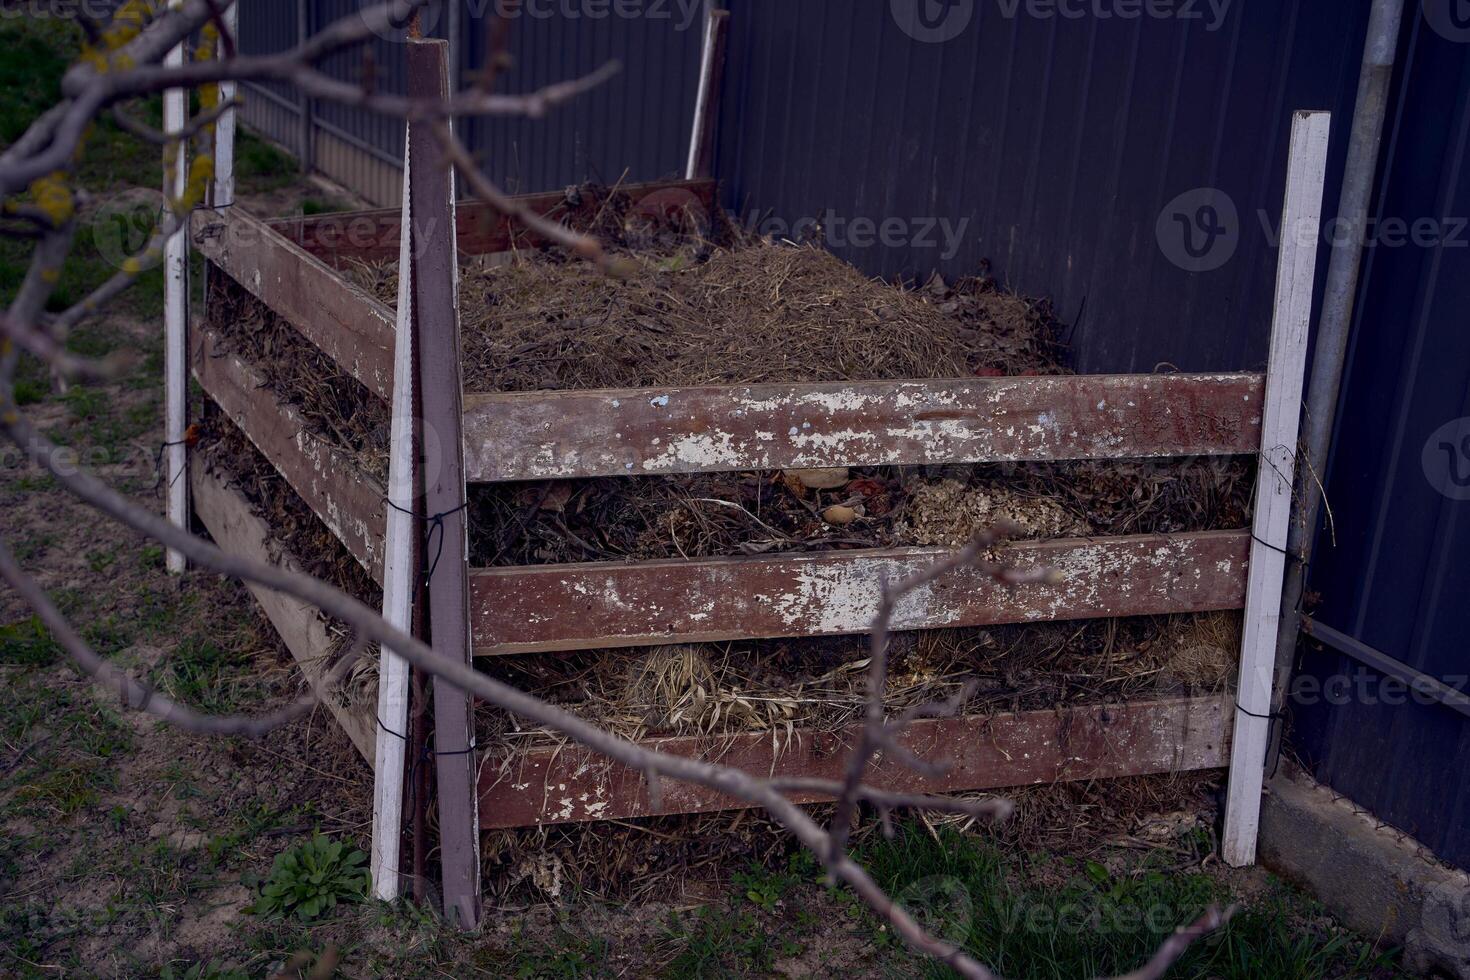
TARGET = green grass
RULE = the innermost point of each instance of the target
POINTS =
(1097, 922)
(566, 956)
(73, 739)
(33, 56)
(27, 644)
(206, 675)
(259, 166)
(124, 174)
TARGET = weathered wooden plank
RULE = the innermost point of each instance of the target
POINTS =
(479, 228)
(440, 385)
(569, 783)
(238, 530)
(576, 607)
(353, 328)
(640, 432)
(348, 501)
(1295, 286)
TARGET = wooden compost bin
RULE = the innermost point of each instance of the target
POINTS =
(663, 431)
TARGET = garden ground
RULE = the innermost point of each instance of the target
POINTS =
(130, 849)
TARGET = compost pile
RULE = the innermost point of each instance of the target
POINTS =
(700, 303)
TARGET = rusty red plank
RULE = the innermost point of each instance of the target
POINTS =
(570, 783)
(610, 604)
(649, 431)
(480, 229)
(353, 328)
(347, 500)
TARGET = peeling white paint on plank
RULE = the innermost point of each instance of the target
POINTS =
(573, 607)
(657, 431)
(572, 784)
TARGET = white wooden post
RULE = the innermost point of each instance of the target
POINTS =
(224, 129)
(399, 581)
(1281, 416)
(176, 318)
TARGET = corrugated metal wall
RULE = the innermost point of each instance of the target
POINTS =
(1052, 143)
(1398, 577)
(637, 124)
(271, 108)
(1059, 140)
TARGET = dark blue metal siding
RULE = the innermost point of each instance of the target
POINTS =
(269, 27)
(1398, 576)
(636, 125)
(382, 134)
(1060, 140)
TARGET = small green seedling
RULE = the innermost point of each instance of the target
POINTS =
(312, 877)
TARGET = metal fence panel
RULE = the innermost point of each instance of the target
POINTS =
(635, 127)
(1394, 573)
(1058, 140)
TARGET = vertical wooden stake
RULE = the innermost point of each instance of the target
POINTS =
(446, 549)
(1285, 375)
(707, 101)
(400, 580)
(175, 318)
(306, 138)
(224, 129)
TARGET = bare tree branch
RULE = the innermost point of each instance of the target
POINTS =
(371, 627)
(39, 161)
(145, 132)
(878, 733)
